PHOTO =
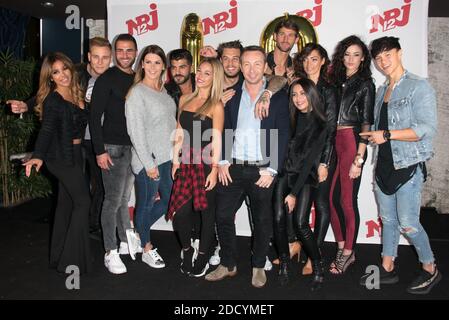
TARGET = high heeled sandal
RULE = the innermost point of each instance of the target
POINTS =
(307, 269)
(342, 264)
(337, 257)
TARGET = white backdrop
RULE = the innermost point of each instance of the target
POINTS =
(159, 22)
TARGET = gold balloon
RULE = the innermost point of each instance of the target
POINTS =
(192, 37)
(307, 32)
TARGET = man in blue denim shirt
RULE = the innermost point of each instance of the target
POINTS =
(404, 126)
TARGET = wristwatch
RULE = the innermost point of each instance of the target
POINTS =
(387, 135)
(359, 160)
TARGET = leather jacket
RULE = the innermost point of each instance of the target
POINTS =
(329, 96)
(356, 97)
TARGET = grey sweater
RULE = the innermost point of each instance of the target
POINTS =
(150, 120)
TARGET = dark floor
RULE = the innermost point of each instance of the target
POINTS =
(24, 273)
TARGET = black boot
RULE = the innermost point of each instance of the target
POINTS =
(318, 275)
(284, 271)
(186, 262)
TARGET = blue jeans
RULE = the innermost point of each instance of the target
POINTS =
(147, 211)
(400, 214)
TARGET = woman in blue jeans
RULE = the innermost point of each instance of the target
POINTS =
(151, 119)
(405, 124)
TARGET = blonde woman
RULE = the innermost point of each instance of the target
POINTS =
(60, 106)
(150, 119)
(200, 125)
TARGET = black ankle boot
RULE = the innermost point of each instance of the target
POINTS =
(318, 275)
(284, 271)
(186, 262)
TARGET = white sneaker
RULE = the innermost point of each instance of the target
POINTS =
(196, 247)
(215, 259)
(153, 259)
(268, 265)
(113, 262)
(133, 243)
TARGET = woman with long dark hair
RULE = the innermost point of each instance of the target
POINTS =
(313, 63)
(195, 165)
(299, 179)
(150, 120)
(60, 105)
(351, 74)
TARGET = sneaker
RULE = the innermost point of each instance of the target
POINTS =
(196, 246)
(424, 282)
(268, 265)
(133, 243)
(200, 267)
(153, 259)
(259, 278)
(220, 273)
(187, 260)
(214, 260)
(385, 277)
(113, 262)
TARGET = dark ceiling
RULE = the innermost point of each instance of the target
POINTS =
(96, 9)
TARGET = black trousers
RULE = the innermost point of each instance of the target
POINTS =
(229, 199)
(300, 216)
(93, 174)
(187, 218)
(70, 237)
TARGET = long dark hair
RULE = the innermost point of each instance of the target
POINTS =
(338, 70)
(315, 108)
(298, 61)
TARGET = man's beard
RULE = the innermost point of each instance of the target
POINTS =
(183, 80)
(231, 76)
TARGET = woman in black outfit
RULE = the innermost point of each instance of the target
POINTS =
(298, 180)
(313, 63)
(60, 106)
(195, 165)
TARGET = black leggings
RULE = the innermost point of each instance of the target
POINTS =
(70, 239)
(301, 216)
(186, 217)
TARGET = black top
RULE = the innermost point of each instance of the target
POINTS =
(304, 151)
(108, 98)
(189, 121)
(62, 121)
(388, 179)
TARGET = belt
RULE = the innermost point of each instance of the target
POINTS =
(246, 163)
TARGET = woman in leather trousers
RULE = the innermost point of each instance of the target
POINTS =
(313, 63)
(299, 178)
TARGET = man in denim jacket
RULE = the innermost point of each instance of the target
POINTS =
(404, 126)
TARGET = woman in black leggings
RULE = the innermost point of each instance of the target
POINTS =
(299, 179)
(61, 108)
(195, 174)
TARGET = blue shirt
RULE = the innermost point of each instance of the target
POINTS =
(247, 134)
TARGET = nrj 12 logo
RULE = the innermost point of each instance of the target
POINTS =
(144, 23)
(221, 21)
(390, 19)
(314, 15)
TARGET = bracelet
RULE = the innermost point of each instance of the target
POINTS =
(363, 140)
(269, 92)
(214, 165)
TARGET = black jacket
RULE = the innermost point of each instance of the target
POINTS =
(54, 141)
(278, 119)
(329, 95)
(356, 102)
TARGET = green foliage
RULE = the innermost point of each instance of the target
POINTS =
(17, 133)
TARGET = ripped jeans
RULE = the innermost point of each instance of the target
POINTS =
(400, 214)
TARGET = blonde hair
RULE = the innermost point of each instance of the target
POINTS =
(216, 90)
(47, 85)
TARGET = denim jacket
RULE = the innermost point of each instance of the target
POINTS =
(412, 105)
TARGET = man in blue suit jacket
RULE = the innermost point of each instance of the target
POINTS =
(253, 152)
